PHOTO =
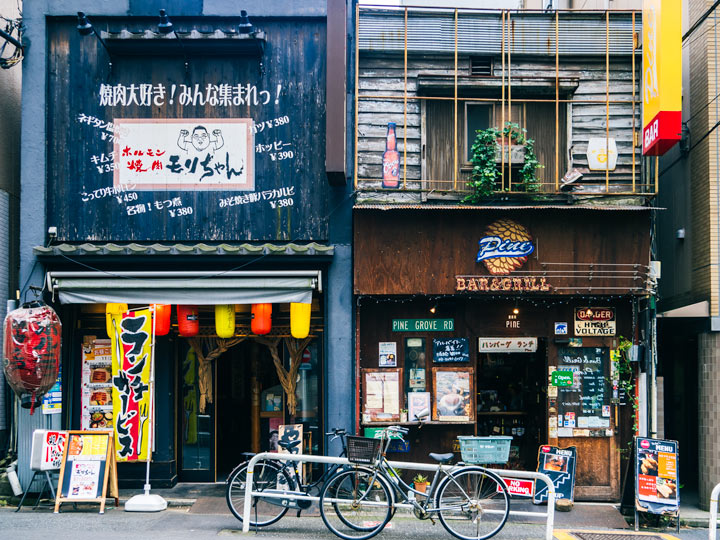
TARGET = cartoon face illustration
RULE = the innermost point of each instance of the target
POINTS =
(200, 138)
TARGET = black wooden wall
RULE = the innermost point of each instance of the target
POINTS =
(292, 70)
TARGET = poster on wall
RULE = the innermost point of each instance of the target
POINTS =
(292, 435)
(454, 390)
(381, 395)
(96, 407)
(52, 400)
(387, 354)
(418, 406)
(131, 396)
(185, 154)
(656, 476)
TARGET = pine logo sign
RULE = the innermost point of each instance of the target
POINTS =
(505, 247)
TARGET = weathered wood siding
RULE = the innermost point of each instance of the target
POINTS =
(292, 70)
(384, 75)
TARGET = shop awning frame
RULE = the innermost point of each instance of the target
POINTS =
(185, 287)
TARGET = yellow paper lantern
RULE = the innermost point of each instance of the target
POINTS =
(300, 320)
(225, 320)
(113, 309)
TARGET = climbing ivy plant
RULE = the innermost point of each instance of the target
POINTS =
(485, 170)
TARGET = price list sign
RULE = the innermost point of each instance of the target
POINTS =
(584, 405)
(656, 476)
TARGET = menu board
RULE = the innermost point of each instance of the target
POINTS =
(96, 408)
(656, 476)
(559, 465)
(584, 405)
(381, 395)
(88, 464)
(451, 350)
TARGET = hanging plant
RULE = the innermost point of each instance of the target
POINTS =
(485, 168)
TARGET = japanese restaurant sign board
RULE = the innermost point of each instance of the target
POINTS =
(131, 399)
(662, 75)
(594, 321)
(656, 476)
(507, 345)
(185, 154)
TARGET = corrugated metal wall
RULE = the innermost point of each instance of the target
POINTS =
(579, 34)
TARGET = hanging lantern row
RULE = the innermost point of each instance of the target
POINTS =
(189, 319)
(32, 351)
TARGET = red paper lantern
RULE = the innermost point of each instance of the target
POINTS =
(32, 351)
(162, 319)
(261, 321)
(188, 321)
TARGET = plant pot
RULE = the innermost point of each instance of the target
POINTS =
(421, 486)
(516, 153)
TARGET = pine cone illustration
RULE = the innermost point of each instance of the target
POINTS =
(507, 230)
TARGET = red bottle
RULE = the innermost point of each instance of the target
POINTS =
(391, 159)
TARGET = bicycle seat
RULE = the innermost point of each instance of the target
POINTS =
(247, 455)
(442, 458)
(288, 445)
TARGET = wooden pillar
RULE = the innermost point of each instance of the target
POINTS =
(255, 391)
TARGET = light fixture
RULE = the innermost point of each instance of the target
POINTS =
(433, 309)
(516, 310)
(244, 27)
(165, 27)
(85, 28)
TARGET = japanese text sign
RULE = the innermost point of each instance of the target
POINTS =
(131, 366)
(185, 154)
(662, 75)
(506, 345)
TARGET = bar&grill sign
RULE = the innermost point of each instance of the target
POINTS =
(594, 321)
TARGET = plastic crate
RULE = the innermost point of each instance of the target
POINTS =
(362, 449)
(484, 449)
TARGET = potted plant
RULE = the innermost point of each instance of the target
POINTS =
(420, 482)
(486, 160)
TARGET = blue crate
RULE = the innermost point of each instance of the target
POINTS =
(479, 450)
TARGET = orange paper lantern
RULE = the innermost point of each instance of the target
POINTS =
(300, 320)
(162, 319)
(188, 321)
(261, 322)
(225, 320)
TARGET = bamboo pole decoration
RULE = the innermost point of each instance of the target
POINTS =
(455, 114)
(557, 102)
(634, 48)
(288, 378)
(502, 108)
(607, 101)
(405, 106)
(357, 90)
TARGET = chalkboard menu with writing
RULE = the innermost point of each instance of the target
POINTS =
(451, 350)
(585, 405)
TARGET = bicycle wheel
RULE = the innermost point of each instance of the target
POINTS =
(473, 503)
(268, 476)
(356, 504)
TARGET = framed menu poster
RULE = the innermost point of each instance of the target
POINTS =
(454, 391)
(381, 395)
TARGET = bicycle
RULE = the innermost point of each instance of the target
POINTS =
(276, 476)
(471, 502)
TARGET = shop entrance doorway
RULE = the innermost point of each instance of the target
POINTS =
(211, 441)
(511, 402)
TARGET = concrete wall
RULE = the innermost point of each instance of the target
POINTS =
(10, 88)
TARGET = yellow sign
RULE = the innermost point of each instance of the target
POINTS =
(131, 393)
(662, 75)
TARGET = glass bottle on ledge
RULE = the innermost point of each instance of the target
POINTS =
(391, 159)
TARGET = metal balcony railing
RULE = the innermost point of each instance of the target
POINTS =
(570, 78)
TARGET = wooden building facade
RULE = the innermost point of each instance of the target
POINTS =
(181, 159)
(467, 306)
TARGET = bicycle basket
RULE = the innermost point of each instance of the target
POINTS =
(484, 449)
(362, 449)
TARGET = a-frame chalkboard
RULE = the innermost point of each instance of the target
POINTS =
(88, 465)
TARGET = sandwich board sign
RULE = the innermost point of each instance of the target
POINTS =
(656, 476)
(559, 465)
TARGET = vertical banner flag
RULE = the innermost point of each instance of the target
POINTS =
(131, 396)
(662, 75)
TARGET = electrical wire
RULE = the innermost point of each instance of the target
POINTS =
(14, 29)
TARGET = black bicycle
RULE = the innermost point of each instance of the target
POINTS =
(275, 476)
